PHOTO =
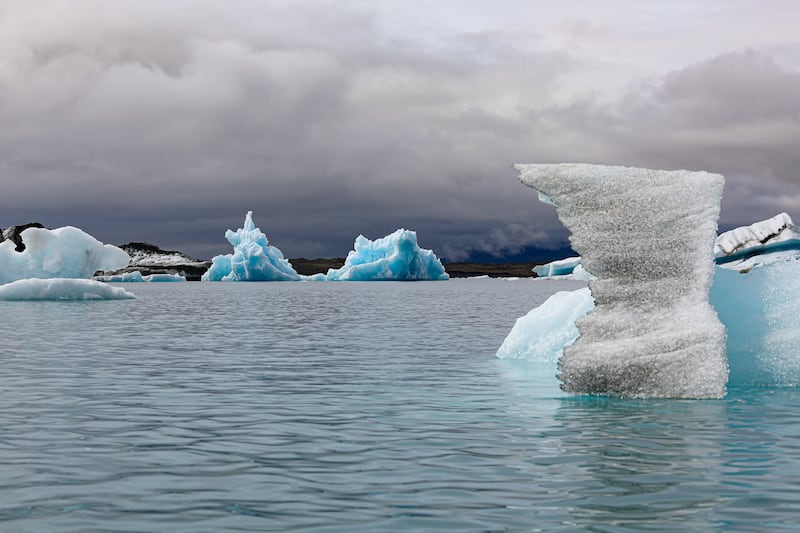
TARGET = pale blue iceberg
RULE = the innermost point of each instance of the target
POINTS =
(66, 252)
(396, 257)
(137, 277)
(542, 334)
(653, 332)
(61, 289)
(563, 269)
(253, 259)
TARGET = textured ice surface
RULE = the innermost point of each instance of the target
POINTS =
(542, 334)
(66, 252)
(61, 289)
(760, 310)
(648, 236)
(769, 241)
(136, 277)
(253, 259)
(396, 257)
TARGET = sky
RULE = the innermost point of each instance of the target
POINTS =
(165, 121)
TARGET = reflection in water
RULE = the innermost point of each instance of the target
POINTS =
(641, 463)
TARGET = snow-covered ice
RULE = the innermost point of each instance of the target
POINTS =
(253, 259)
(768, 241)
(395, 257)
(648, 236)
(66, 252)
(61, 289)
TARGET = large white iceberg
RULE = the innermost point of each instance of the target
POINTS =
(66, 252)
(648, 236)
(61, 289)
(396, 257)
(253, 259)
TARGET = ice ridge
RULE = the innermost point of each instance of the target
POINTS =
(648, 236)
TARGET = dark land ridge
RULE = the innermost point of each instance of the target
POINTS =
(150, 259)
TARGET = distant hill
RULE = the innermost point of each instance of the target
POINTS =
(150, 259)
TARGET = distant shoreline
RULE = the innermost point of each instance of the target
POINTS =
(308, 267)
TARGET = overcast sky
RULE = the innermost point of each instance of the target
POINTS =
(164, 121)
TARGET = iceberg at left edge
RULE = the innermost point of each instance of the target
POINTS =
(395, 257)
(66, 252)
(253, 259)
(61, 289)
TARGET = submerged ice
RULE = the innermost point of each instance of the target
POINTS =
(396, 257)
(253, 259)
(66, 252)
(652, 332)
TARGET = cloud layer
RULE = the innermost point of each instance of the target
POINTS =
(165, 122)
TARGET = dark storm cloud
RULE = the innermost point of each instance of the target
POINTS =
(166, 122)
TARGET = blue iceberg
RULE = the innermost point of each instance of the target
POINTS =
(253, 259)
(569, 268)
(396, 257)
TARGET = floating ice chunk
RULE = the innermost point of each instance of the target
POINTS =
(396, 257)
(769, 241)
(569, 268)
(542, 334)
(62, 289)
(136, 277)
(561, 267)
(253, 259)
(66, 252)
(760, 311)
(648, 236)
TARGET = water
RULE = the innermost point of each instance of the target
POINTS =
(357, 407)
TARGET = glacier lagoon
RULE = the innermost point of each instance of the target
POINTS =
(358, 407)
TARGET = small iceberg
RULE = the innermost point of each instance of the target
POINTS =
(563, 269)
(396, 257)
(542, 334)
(137, 277)
(61, 289)
(253, 259)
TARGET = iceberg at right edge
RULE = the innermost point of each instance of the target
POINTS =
(648, 236)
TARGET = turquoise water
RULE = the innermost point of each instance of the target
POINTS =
(357, 407)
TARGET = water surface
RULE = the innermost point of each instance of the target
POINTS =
(357, 407)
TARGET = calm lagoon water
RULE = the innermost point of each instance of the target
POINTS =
(357, 407)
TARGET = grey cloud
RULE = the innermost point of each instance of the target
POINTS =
(141, 124)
